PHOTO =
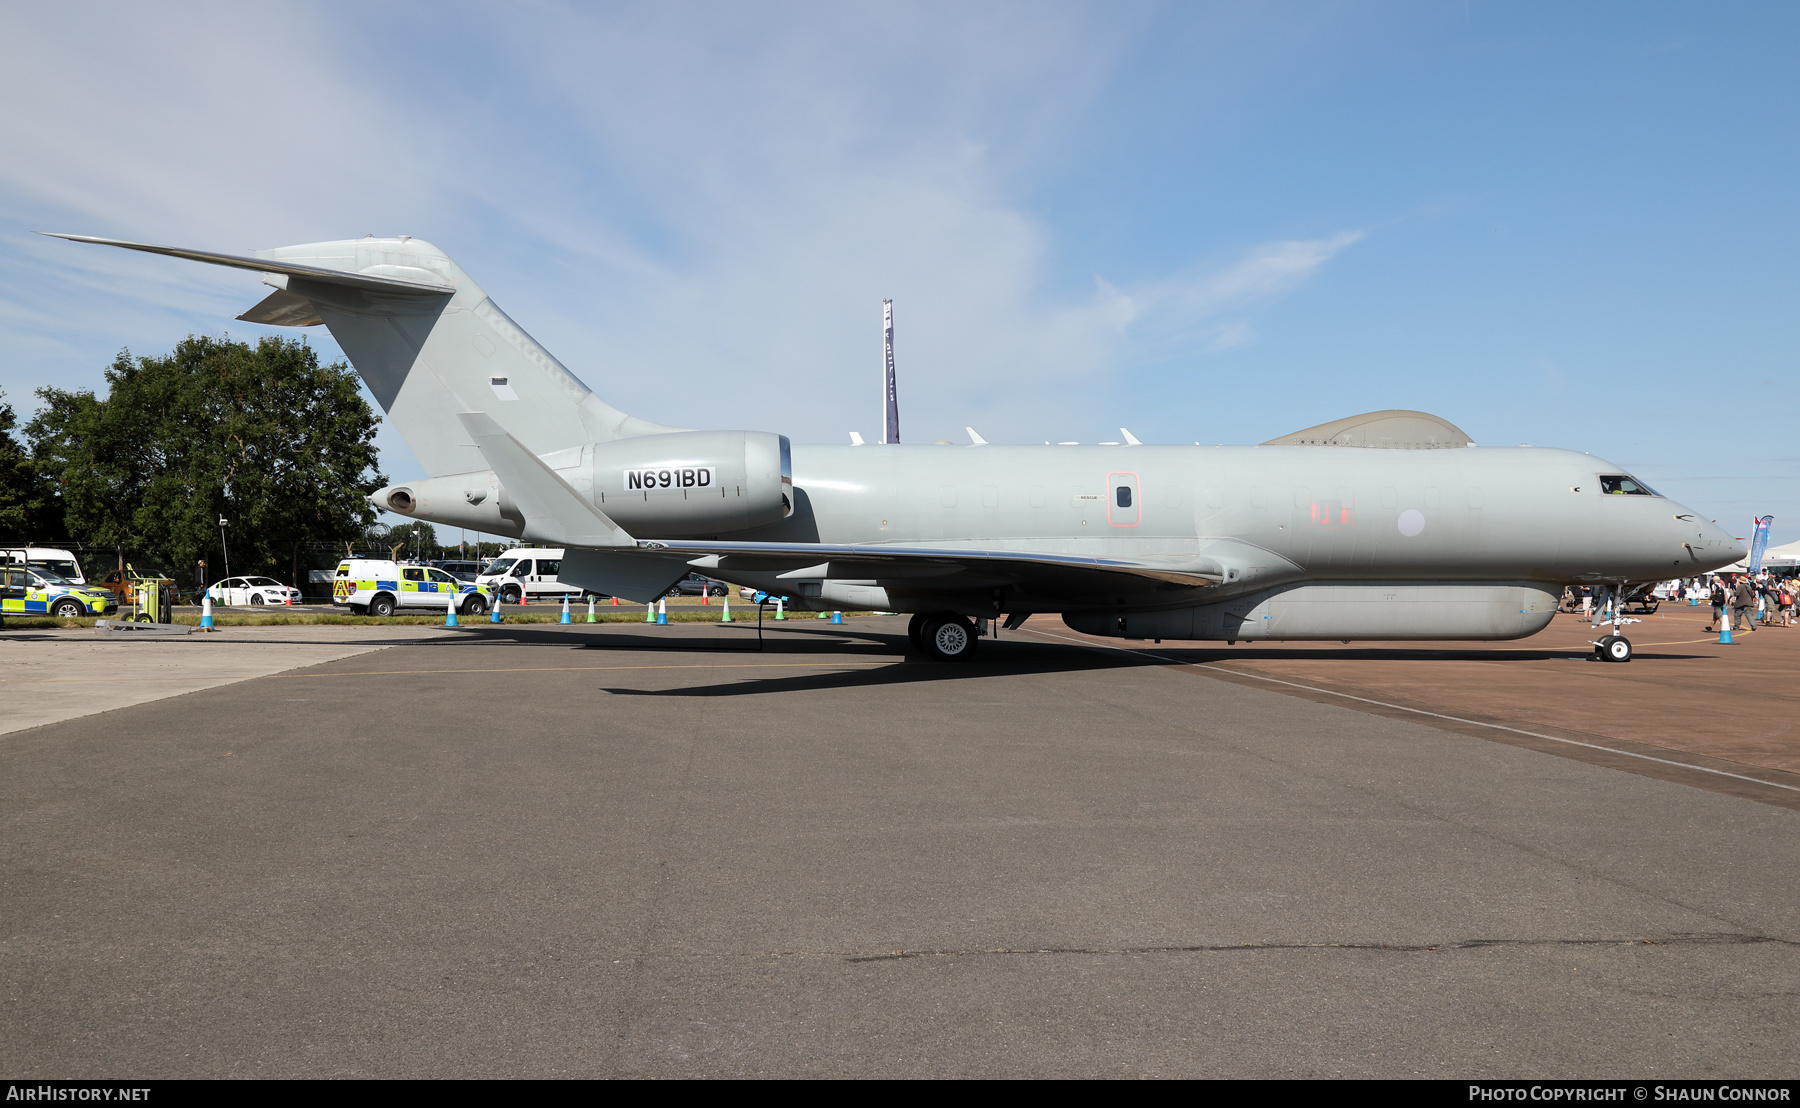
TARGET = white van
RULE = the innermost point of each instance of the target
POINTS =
(60, 562)
(527, 571)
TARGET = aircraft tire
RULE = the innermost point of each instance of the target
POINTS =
(950, 638)
(915, 630)
(1616, 648)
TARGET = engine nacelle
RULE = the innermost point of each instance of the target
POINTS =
(687, 484)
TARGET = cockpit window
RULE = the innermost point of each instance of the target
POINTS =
(1617, 484)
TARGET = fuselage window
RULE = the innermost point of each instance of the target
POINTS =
(1621, 485)
(1122, 495)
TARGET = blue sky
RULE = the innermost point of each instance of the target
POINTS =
(1568, 225)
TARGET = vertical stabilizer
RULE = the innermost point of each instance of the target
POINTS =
(429, 344)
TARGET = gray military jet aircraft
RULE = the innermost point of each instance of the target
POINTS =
(1390, 525)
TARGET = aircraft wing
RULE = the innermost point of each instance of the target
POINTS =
(931, 568)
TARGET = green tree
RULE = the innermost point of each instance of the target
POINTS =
(419, 540)
(26, 509)
(262, 435)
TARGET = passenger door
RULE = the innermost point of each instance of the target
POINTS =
(415, 590)
(544, 582)
(444, 584)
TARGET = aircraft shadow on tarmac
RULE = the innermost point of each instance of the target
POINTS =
(846, 639)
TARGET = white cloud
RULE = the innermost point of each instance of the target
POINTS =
(698, 209)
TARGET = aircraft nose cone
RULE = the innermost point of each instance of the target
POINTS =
(1728, 545)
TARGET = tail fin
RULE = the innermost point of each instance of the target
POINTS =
(428, 342)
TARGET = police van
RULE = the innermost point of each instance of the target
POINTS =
(380, 588)
(527, 572)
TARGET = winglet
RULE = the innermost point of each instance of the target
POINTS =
(1130, 439)
(974, 438)
(554, 513)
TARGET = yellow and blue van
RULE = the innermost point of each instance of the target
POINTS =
(31, 590)
(380, 588)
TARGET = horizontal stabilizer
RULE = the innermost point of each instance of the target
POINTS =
(635, 575)
(554, 513)
(283, 309)
(265, 265)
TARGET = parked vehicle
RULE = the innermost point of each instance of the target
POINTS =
(529, 572)
(379, 587)
(465, 571)
(41, 592)
(697, 584)
(255, 591)
(60, 562)
(124, 583)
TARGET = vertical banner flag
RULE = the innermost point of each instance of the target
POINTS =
(1760, 543)
(890, 395)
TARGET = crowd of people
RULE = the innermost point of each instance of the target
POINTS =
(1750, 599)
(1747, 599)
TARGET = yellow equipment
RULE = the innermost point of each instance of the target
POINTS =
(153, 600)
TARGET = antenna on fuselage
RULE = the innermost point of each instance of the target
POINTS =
(890, 395)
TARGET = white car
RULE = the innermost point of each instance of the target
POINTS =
(253, 591)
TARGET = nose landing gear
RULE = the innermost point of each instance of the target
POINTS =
(1614, 647)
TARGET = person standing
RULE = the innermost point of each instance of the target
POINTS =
(199, 580)
(1720, 602)
(1743, 604)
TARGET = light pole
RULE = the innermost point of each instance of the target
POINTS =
(222, 546)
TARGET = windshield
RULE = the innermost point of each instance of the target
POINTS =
(1621, 485)
(52, 578)
(58, 567)
(497, 567)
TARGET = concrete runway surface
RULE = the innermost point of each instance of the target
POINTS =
(643, 851)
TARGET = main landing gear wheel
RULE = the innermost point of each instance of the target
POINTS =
(1613, 648)
(950, 638)
(915, 631)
